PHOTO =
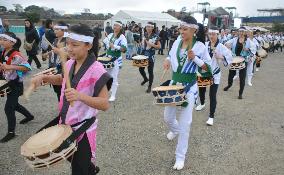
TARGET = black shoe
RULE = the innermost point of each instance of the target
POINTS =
(26, 120)
(148, 90)
(143, 82)
(226, 88)
(8, 137)
(240, 97)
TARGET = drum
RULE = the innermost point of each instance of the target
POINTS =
(204, 81)
(41, 150)
(4, 88)
(262, 53)
(172, 95)
(238, 63)
(106, 61)
(282, 43)
(258, 60)
(140, 61)
(265, 45)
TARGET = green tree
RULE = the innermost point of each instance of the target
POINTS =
(33, 16)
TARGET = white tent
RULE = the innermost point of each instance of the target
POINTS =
(160, 19)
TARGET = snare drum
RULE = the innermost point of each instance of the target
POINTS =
(140, 61)
(238, 63)
(106, 61)
(172, 95)
(4, 88)
(41, 150)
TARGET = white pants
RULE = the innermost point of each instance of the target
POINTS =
(250, 68)
(114, 73)
(181, 127)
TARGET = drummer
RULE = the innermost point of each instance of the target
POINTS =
(185, 56)
(240, 46)
(260, 40)
(13, 66)
(219, 54)
(250, 62)
(151, 43)
(116, 44)
(89, 94)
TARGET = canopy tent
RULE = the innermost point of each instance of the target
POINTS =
(256, 28)
(126, 16)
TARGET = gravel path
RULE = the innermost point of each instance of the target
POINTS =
(247, 136)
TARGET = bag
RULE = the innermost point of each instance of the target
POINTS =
(28, 46)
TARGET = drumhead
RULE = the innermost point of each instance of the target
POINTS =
(238, 59)
(104, 59)
(45, 141)
(166, 88)
(139, 57)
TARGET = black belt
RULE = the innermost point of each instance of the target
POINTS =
(87, 123)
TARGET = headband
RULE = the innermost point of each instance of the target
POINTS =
(149, 25)
(82, 38)
(213, 31)
(61, 27)
(8, 37)
(189, 25)
(117, 23)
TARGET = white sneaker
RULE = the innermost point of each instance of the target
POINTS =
(256, 69)
(171, 135)
(235, 77)
(249, 83)
(111, 99)
(210, 121)
(178, 165)
(200, 107)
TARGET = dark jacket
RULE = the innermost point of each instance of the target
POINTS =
(31, 34)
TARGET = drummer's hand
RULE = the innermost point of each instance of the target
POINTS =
(56, 50)
(111, 45)
(37, 81)
(72, 95)
(5, 67)
(167, 64)
(190, 55)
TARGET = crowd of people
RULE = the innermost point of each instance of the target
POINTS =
(193, 51)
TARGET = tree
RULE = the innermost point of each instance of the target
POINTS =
(33, 16)
(277, 27)
(18, 8)
(3, 9)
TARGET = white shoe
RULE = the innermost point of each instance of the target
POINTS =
(249, 83)
(178, 165)
(235, 77)
(210, 121)
(111, 99)
(171, 135)
(200, 107)
(256, 69)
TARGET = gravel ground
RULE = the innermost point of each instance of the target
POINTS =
(247, 136)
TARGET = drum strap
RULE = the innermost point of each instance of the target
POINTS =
(86, 124)
(75, 81)
(4, 86)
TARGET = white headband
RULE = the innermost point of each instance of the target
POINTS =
(213, 31)
(117, 23)
(8, 38)
(61, 27)
(242, 29)
(83, 38)
(189, 25)
(150, 25)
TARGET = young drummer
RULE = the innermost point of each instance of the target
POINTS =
(60, 30)
(116, 44)
(240, 46)
(219, 54)
(184, 58)
(13, 66)
(151, 43)
(88, 94)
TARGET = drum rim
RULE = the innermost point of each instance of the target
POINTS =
(137, 57)
(27, 152)
(242, 59)
(166, 88)
(104, 59)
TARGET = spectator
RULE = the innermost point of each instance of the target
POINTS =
(108, 29)
(6, 25)
(163, 38)
(41, 30)
(98, 30)
(130, 43)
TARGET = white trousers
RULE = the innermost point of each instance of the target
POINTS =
(181, 127)
(250, 68)
(114, 74)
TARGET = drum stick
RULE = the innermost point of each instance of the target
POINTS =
(48, 42)
(45, 71)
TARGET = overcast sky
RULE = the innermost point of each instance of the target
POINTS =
(244, 7)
